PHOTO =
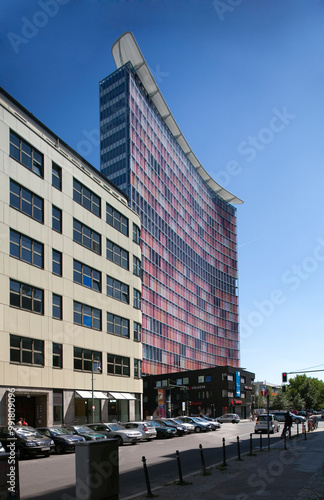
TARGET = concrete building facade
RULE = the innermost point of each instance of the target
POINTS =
(70, 287)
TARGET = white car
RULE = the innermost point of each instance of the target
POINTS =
(229, 417)
(148, 432)
(261, 424)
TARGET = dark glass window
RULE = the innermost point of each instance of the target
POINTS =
(57, 306)
(117, 220)
(87, 276)
(137, 368)
(136, 266)
(26, 154)
(136, 234)
(26, 297)
(24, 248)
(56, 262)
(26, 350)
(57, 355)
(86, 198)
(86, 237)
(86, 316)
(87, 360)
(118, 365)
(56, 219)
(117, 325)
(136, 299)
(117, 254)
(117, 290)
(26, 202)
(137, 331)
(56, 176)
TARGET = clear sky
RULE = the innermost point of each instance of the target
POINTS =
(244, 80)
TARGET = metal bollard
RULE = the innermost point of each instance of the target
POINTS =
(148, 486)
(238, 448)
(202, 461)
(181, 481)
(224, 454)
(305, 434)
(260, 441)
(297, 428)
(251, 445)
(285, 441)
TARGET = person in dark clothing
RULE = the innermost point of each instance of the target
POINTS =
(288, 423)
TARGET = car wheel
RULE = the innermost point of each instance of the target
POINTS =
(149, 439)
(197, 429)
(59, 449)
(234, 422)
(120, 441)
(47, 454)
(160, 435)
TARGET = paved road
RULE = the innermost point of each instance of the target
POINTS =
(53, 478)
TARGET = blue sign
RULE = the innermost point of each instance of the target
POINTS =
(238, 385)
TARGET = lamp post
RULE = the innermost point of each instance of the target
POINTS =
(97, 369)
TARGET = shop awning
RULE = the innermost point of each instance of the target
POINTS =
(121, 395)
(88, 395)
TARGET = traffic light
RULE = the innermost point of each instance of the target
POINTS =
(284, 377)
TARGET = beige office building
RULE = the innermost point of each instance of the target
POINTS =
(70, 282)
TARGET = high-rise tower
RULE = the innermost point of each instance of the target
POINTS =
(188, 238)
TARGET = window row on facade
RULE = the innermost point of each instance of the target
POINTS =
(30, 351)
(31, 298)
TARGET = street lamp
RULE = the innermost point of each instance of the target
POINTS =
(95, 367)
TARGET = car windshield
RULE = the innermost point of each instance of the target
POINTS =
(28, 433)
(151, 423)
(115, 427)
(58, 431)
(264, 418)
(82, 428)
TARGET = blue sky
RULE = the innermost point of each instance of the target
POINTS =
(244, 80)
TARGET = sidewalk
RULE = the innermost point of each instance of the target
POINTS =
(293, 474)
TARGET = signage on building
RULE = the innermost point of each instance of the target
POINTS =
(248, 387)
(196, 403)
(238, 385)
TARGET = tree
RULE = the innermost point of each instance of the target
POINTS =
(311, 390)
(280, 402)
(297, 402)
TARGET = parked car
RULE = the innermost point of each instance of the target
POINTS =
(178, 427)
(84, 431)
(119, 432)
(63, 440)
(2, 450)
(210, 419)
(162, 431)
(212, 425)
(190, 427)
(297, 419)
(229, 417)
(261, 424)
(29, 442)
(148, 433)
(198, 426)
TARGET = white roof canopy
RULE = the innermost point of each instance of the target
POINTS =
(126, 49)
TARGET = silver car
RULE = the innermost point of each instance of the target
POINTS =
(229, 417)
(123, 435)
(261, 424)
(147, 432)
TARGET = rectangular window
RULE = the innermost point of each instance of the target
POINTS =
(136, 266)
(86, 316)
(86, 237)
(24, 248)
(26, 297)
(117, 254)
(201, 379)
(137, 332)
(86, 276)
(57, 306)
(57, 355)
(136, 299)
(86, 198)
(117, 325)
(117, 290)
(26, 154)
(56, 176)
(116, 219)
(27, 351)
(26, 202)
(56, 219)
(57, 406)
(136, 234)
(137, 368)
(87, 360)
(56, 262)
(118, 365)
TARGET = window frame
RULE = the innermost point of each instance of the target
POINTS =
(119, 255)
(56, 176)
(57, 307)
(123, 290)
(136, 266)
(83, 316)
(81, 199)
(118, 323)
(57, 355)
(24, 200)
(86, 360)
(114, 364)
(21, 247)
(37, 167)
(83, 275)
(34, 352)
(82, 234)
(116, 219)
(137, 298)
(57, 219)
(57, 263)
(137, 331)
(26, 297)
(136, 234)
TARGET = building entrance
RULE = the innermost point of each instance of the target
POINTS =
(32, 408)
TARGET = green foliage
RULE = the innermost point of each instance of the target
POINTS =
(306, 389)
(280, 402)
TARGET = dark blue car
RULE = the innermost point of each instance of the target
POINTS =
(63, 440)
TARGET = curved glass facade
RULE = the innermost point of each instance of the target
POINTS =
(188, 237)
